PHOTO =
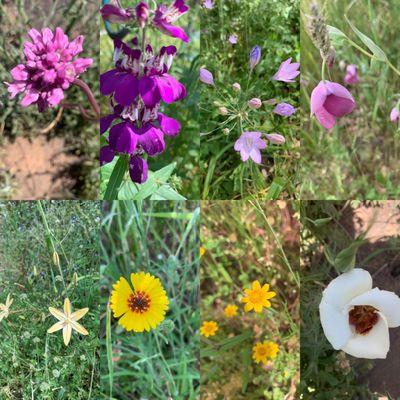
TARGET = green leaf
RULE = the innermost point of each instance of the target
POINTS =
(246, 362)
(163, 174)
(116, 178)
(336, 35)
(376, 50)
(274, 190)
(166, 192)
(320, 221)
(345, 260)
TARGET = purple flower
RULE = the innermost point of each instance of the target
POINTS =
(50, 67)
(142, 14)
(395, 114)
(275, 138)
(138, 169)
(106, 155)
(351, 77)
(209, 4)
(165, 16)
(255, 56)
(127, 81)
(116, 15)
(284, 109)
(287, 71)
(255, 103)
(249, 145)
(206, 76)
(330, 100)
(233, 39)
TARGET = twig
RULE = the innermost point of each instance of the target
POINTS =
(89, 95)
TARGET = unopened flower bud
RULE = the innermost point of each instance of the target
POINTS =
(342, 65)
(223, 111)
(255, 56)
(236, 87)
(56, 259)
(254, 103)
(275, 138)
(142, 14)
(226, 131)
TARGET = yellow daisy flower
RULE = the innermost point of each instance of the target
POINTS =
(257, 297)
(67, 321)
(264, 350)
(5, 308)
(230, 310)
(202, 251)
(141, 308)
(209, 328)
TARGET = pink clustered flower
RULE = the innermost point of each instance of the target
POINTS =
(351, 77)
(137, 86)
(49, 69)
(329, 101)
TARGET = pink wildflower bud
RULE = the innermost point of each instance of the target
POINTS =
(395, 114)
(351, 77)
(330, 100)
(206, 77)
(236, 87)
(275, 138)
(142, 14)
(223, 111)
(255, 103)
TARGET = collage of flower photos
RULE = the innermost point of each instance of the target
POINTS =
(199, 200)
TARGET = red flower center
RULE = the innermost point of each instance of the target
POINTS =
(139, 302)
(363, 318)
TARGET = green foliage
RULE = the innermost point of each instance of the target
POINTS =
(36, 364)
(273, 25)
(247, 241)
(359, 156)
(183, 149)
(75, 17)
(160, 238)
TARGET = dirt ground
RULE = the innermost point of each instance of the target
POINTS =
(37, 168)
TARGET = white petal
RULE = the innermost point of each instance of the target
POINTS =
(345, 287)
(335, 325)
(374, 344)
(388, 303)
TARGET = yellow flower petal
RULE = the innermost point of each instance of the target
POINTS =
(57, 313)
(67, 331)
(256, 285)
(79, 328)
(119, 297)
(67, 307)
(77, 315)
(56, 327)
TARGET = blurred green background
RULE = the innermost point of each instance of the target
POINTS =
(360, 157)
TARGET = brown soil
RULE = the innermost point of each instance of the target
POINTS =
(37, 167)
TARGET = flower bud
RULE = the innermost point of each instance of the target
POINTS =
(395, 115)
(56, 259)
(206, 77)
(255, 56)
(236, 87)
(342, 65)
(254, 103)
(275, 138)
(226, 131)
(142, 14)
(223, 111)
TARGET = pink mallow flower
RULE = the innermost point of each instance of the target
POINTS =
(351, 77)
(330, 100)
(49, 68)
(287, 71)
(165, 16)
(395, 114)
(249, 145)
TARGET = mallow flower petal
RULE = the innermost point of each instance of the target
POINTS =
(335, 324)
(346, 287)
(326, 119)
(387, 303)
(318, 97)
(170, 126)
(127, 90)
(374, 344)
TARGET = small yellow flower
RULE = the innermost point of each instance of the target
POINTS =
(230, 310)
(5, 308)
(141, 308)
(264, 350)
(209, 328)
(202, 251)
(67, 321)
(257, 297)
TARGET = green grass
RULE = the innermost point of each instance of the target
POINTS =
(247, 241)
(37, 365)
(357, 159)
(273, 25)
(160, 238)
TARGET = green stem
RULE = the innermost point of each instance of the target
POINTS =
(116, 178)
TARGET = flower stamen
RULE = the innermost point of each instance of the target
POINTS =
(363, 318)
(139, 302)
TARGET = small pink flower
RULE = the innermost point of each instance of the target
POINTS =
(233, 39)
(206, 77)
(351, 77)
(115, 15)
(236, 87)
(208, 4)
(249, 145)
(255, 103)
(330, 100)
(284, 109)
(395, 114)
(287, 71)
(275, 138)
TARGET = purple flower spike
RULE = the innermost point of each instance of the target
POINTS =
(206, 77)
(351, 77)
(115, 14)
(249, 145)
(330, 100)
(138, 169)
(284, 109)
(255, 56)
(287, 71)
(165, 16)
(395, 114)
(49, 69)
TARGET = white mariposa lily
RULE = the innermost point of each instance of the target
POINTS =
(356, 318)
(5, 308)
